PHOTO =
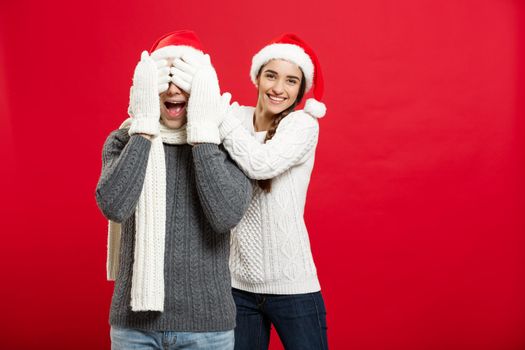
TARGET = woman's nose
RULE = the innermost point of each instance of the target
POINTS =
(278, 87)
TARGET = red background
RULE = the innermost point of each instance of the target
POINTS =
(416, 205)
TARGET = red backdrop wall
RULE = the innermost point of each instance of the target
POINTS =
(416, 205)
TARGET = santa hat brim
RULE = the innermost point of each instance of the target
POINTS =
(175, 51)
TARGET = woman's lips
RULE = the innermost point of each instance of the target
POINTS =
(175, 109)
(276, 100)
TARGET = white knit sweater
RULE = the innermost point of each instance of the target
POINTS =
(270, 250)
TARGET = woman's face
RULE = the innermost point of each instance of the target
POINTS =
(278, 84)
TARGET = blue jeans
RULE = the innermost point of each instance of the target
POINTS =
(299, 319)
(127, 338)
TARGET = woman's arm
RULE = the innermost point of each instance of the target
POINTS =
(124, 162)
(296, 135)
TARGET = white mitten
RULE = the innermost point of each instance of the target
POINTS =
(163, 75)
(185, 68)
(229, 121)
(144, 104)
(206, 107)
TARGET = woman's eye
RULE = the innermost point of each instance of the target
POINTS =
(292, 81)
(270, 76)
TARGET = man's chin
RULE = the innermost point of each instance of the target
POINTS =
(173, 123)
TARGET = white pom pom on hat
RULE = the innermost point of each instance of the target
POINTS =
(290, 47)
(315, 108)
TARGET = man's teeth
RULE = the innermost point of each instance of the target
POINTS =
(175, 104)
(175, 107)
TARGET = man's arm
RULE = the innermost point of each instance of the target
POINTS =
(224, 191)
(124, 162)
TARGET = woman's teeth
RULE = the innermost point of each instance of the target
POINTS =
(276, 99)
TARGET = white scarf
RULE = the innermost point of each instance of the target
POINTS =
(147, 288)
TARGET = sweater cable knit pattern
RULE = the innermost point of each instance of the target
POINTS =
(196, 273)
(270, 248)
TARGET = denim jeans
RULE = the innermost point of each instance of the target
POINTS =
(299, 319)
(127, 338)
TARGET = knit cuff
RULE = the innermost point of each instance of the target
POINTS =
(203, 133)
(143, 125)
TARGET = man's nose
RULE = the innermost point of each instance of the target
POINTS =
(174, 90)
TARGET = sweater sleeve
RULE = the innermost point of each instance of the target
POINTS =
(296, 135)
(124, 162)
(224, 191)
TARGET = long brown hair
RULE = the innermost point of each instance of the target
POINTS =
(266, 185)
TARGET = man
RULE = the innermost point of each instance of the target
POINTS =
(176, 195)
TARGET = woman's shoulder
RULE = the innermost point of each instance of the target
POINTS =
(244, 114)
(300, 117)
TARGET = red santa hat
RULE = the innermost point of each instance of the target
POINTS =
(176, 44)
(292, 48)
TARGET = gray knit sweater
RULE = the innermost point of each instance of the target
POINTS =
(206, 196)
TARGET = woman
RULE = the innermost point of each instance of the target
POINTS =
(274, 278)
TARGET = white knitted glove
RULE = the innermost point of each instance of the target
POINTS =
(206, 107)
(229, 122)
(144, 104)
(185, 68)
(163, 75)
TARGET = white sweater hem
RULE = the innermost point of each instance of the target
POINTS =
(309, 285)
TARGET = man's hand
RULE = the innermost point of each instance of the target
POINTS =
(144, 104)
(163, 75)
(206, 107)
(185, 68)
